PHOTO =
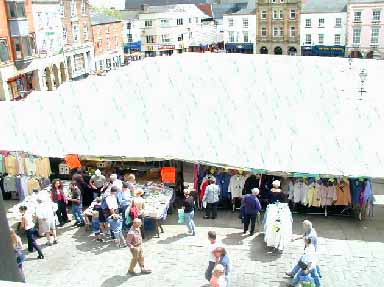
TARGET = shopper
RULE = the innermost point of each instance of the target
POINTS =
(58, 196)
(250, 207)
(212, 259)
(138, 202)
(131, 180)
(116, 225)
(97, 182)
(189, 211)
(211, 198)
(124, 200)
(45, 214)
(18, 247)
(29, 227)
(222, 258)
(77, 207)
(276, 195)
(218, 277)
(135, 243)
(96, 225)
(115, 181)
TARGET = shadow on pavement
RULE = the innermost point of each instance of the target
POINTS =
(173, 239)
(234, 238)
(260, 252)
(115, 281)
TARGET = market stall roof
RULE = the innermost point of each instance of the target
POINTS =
(275, 113)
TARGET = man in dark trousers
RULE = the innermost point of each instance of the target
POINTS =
(250, 208)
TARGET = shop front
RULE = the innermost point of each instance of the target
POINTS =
(323, 51)
(166, 50)
(243, 48)
(133, 47)
(22, 85)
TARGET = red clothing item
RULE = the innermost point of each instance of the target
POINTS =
(203, 188)
(60, 195)
(168, 174)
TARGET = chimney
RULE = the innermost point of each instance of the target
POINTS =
(144, 7)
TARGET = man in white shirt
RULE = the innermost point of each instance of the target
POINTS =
(212, 259)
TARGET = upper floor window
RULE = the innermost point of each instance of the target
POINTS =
(62, 13)
(230, 22)
(166, 39)
(338, 22)
(76, 33)
(281, 14)
(245, 36)
(16, 9)
(321, 22)
(375, 35)
(231, 36)
(65, 35)
(245, 23)
(275, 14)
(129, 36)
(337, 39)
(83, 7)
(308, 39)
(376, 15)
(148, 23)
(108, 41)
(129, 26)
(264, 14)
(4, 52)
(107, 29)
(356, 36)
(73, 8)
(24, 46)
(164, 22)
(180, 21)
(357, 16)
(264, 32)
(292, 32)
(308, 23)
(321, 38)
(85, 31)
(150, 39)
(292, 14)
(273, 1)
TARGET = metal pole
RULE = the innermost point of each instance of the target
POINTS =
(8, 266)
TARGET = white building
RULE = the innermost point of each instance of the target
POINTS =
(114, 4)
(131, 31)
(323, 28)
(240, 31)
(174, 28)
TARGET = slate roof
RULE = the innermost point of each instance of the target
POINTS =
(97, 19)
(324, 6)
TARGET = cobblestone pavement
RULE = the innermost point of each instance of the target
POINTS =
(351, 254)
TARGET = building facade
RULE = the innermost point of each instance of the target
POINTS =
(170, 29)
(108, 42)
(365, 34)
(131, 32)
(77, 38)
(278, 27)
(323, 28)
(240, 32)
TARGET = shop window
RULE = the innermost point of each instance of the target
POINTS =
(4, 52)
(16, 9)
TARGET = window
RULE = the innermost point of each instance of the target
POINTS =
(321, 22)
(165, 22)
(273, 1)
(197, 20)
(108, 41)
(375, 35)
(231, 36)
(107, 29)
(275, 14)
(165, 39)
(180, 21)
(292, 32)
(129, 26)
(356, 36)
(129, 36)
(148, 23)
(24, 46)
(281, 34)
(281, 14)
(338, 22)
(99, 43)
(308, 23)
(190, 20)
(264, 32)
(76, 32)
(245, 35)
(4, 53)
(73, 8)
(281, 1)
(62, 13)
(65, 35)
(275, 32)
(17, 45)
(264, 14)
(85, 31)
(337, 39)
(16, 9)
(357, 17)
(150, 39)
(245, 23)
(376, 14)
(292, 15)
(321, 38)
(230, 22)
(308, 39)
(190, 35)
(83, 7)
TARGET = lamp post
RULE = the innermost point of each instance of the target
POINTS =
(363, 77)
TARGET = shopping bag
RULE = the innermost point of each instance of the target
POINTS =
(181, 216)
(204, 204)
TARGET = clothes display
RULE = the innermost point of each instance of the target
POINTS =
(236, 185)
(17, 163)
(277, 224)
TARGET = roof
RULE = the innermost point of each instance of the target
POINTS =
(324, 6)
(220, 9)
(206, 8)
(365, 1)
(130, 14)
(245, 11)
(136, 4)
(98, 19)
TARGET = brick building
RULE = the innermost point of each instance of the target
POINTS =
(278, 27)
(108, 42)
(77, 37)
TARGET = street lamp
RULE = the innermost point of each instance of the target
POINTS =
(363, 77)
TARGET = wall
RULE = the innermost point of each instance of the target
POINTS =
(100, 33)
(238, 28)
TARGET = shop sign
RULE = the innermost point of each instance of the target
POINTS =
(166, 47)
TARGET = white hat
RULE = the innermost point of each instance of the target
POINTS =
(276, 183)
(98, 172)
(255, 191)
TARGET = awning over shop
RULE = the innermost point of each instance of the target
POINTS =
(283, 114)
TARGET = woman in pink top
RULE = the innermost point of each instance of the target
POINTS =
(58, 196)
(218, 277)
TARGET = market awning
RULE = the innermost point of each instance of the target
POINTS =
(287, 114)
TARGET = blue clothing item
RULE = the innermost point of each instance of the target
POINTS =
(222, 180)
(301, 276)
(368, 193)
(123, 199)
(357, 187)
(225, 262)
(115, 225)
(77, 213)
(188, 218)
(96, 226)
(251, 204)
(312, 234)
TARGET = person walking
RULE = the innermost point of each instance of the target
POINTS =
(29, 227)
(222, 258)
(135, 243)
(46, 218)
(211, 197)
(58, 197)
(18, 247)
(211, 254)
(189, 211)
(250, 208)
(77, 207)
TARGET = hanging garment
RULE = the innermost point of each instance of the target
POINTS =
(236, 185)
(10, 183)
(10, 165)
(357, 187)
(168, 174)
(2, 168)
(222, 180)
(30, 166)
(73, 161)
(203, 187)
(343, 192)
(313, 196)
(33, 183)
(43, 167)
(20, 165)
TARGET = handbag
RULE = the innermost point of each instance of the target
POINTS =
(302, 265)
(204, 204)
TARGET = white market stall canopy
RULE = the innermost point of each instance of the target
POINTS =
(278, 113)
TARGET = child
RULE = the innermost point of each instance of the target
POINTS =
(96, 225)
(218, 278)
(212, 259)
(116, 226)
(18, 247)
(76, 205)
